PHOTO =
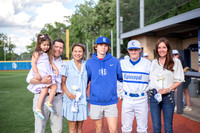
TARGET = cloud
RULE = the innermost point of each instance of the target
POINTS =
(9, 17)
(16, 13)
(49, 13)
(22, 19)
(6, 8)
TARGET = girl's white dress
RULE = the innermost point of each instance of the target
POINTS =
(44, 68)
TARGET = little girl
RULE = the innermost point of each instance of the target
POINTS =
(42, 65)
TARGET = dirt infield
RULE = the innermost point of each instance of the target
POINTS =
(180, 124)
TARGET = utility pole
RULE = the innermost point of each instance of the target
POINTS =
(118, 32)
(199, 47)
(111, 32)
(141, 13)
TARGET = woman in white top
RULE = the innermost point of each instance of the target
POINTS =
(166, 74)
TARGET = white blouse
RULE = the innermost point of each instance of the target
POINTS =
(163, 78)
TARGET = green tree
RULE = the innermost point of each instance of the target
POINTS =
(83, 28)
(30, 48)
(3, 43)
(129, 10)
(56, 30)
(12, 56)
(179, 7)
(6, 46)
(93, 20)
(106, 19)
(89, 21)
(25, 56)
(155, 10)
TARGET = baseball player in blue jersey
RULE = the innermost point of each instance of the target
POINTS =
(135, 84)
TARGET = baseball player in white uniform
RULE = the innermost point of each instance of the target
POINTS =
(135, 84)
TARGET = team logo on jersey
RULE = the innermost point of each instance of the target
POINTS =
(102, 72)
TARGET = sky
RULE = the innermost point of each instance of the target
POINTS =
(20, 20)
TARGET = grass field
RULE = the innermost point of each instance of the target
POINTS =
(16, 115)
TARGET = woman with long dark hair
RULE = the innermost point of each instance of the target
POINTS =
(166, 74)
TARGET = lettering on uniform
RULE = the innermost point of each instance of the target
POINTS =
(129, 76)
(135, 77)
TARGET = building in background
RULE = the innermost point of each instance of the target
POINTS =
(178, 21)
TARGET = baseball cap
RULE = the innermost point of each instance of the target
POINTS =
(102, 39)
(145, 55)
(174, 51)
(133, 44)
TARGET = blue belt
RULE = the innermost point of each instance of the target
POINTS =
(133, 95)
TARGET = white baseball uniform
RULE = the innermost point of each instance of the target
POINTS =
(135, 100)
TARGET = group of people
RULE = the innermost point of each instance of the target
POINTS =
(49, 77)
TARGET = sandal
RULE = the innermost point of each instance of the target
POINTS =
(49, 106)
(38, 112)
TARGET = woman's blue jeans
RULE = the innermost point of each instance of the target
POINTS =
(167, 105)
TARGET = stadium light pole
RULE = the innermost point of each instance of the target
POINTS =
(67, 44)
(118, 32)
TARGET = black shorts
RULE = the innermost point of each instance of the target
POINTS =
(186, 83)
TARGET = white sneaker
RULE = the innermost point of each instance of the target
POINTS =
(187, 108)
(175, 108)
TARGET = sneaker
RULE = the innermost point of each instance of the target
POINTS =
(175, 108)
(38, 112)
(187, 108)
(49, 106)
